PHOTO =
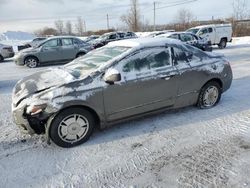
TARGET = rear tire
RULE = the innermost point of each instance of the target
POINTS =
(31, 62)
(222, 44)
(80, 54)
(71, 127)
(210, 95)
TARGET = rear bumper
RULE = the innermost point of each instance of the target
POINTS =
(6, 54)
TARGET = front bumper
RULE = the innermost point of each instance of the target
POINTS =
(21, 121)
(19, 60)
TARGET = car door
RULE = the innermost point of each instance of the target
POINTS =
(51, 51)
(69, 49)
(148, 82)
(190, 78)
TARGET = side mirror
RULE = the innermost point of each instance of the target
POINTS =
(111, 76)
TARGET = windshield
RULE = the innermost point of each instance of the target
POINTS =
(94, 60)
(194, 31)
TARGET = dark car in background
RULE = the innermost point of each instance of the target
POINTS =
(91, 38)
(122, 80)
(112, 36)
(6, 51)
(53, 50)
(189, 38)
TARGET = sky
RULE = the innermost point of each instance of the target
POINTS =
(30, 15)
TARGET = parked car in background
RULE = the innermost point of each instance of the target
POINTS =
(53, 50)
(6, 51)
(112, 36)
(123, 80)
(156, 33)
(37, 41)
(189, 38)
(91, 38)
(218, 34)
(32, 43)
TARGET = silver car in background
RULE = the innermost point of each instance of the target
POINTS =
(53, 50)
(6, 51)
(120, 81)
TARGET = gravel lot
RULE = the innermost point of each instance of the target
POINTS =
(183, 148)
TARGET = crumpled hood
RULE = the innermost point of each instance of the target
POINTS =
(40, 81)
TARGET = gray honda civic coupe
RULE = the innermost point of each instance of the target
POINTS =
(120, 81)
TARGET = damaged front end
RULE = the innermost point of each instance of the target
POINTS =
(32, 117)
(31, 106)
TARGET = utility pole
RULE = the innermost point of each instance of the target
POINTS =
(85, 28)
(108, 21)
(154, 15)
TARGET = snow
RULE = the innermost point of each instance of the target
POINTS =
(183, 148)
(16, 35)
(144, 42)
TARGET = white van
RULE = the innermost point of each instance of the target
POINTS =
(217, 34)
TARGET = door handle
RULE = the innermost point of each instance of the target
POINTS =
(167, 77)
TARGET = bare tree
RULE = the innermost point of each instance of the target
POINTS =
(132, 19)
(184, 17)
(46, 31)
(240, 11)
(68, 28)
(79, 26)
(59, 26)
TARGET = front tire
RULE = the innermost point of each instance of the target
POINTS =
(210, 95)
(31, 62)
(71, 127)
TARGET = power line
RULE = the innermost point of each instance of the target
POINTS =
(181, 3)
(176, 3)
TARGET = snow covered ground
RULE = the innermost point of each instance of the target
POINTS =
(183, 148)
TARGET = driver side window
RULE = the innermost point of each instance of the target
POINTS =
(113, 36)
(51, 43)
(186, 37)
(179, 56)
(147, 60)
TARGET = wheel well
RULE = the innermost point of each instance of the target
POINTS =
(1, 57)
(31, 56)
(93, 112)
(215, 80)
(224, 38)
(80, 53)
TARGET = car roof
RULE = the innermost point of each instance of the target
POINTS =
(212, 25)
(144, 42)
(61, 37)
(172, 33)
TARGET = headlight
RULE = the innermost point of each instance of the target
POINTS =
(35, 109)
